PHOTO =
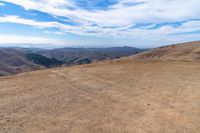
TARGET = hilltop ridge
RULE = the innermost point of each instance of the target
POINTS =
(181, 52)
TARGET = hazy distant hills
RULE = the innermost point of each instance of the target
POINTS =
(16, 60)
(13, 61)
(73, 56)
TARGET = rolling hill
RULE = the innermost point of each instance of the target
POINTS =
(136, 94)
(182, 52)
(13, 61)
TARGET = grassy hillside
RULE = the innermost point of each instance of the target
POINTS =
(182, 52)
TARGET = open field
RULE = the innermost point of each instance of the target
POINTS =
(122, 96)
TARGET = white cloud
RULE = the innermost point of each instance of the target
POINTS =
(119, 19)
(7, 40)
(2, 4)
(39, 24)
(4, 39)
(119, 14)
(54, 32)
(96, 30)
(18, 20)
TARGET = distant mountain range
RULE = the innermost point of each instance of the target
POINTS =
(73, 56)
(16, 60)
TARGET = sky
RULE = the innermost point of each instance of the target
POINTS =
(98, 23)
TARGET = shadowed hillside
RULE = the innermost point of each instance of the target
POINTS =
(73, 56)
(44, 61)
(13, 61)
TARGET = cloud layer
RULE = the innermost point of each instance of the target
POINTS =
(137, 19)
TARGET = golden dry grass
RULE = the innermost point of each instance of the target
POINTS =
(122, 96)
(182, 52)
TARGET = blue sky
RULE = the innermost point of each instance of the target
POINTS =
(98, 23)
